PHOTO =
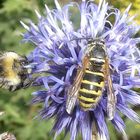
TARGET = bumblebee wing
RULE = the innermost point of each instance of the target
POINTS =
(111, 98)
(73, 92)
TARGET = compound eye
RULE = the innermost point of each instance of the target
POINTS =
(102, 41)
(23, 60)
(22, 63)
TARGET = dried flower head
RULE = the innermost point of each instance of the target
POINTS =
(59, 51)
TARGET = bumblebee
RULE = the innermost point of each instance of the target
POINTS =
(91, 80)
(13, 74)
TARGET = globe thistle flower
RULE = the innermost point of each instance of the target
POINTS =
(59, 50)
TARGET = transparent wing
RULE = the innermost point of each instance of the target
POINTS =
(72, 93)
(111, 98)
(73, 90)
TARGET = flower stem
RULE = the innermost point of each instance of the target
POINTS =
(94, 133)
(94, 137)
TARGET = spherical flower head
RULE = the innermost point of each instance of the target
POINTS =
(59, 51)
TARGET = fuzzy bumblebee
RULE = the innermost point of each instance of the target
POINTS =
(13, 74)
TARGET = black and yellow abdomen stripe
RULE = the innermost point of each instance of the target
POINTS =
(92, 84)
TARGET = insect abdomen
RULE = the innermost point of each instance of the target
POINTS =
(91, 85)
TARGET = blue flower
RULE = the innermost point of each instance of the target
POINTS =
(59, 51)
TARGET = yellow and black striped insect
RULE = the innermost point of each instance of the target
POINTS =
(91, 80)
(13, 74)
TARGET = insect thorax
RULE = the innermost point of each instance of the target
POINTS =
(96, 49)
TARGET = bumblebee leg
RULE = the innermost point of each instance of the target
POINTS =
(2, 83)
(7, 85)
(28, 82)
(12, 88)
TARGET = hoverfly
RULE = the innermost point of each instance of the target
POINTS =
(91, 80)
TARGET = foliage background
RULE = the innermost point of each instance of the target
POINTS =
(19, 114)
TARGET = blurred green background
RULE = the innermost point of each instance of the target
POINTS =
(19, 114)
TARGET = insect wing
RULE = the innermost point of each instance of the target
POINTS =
(111, 98)
(73, 91)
